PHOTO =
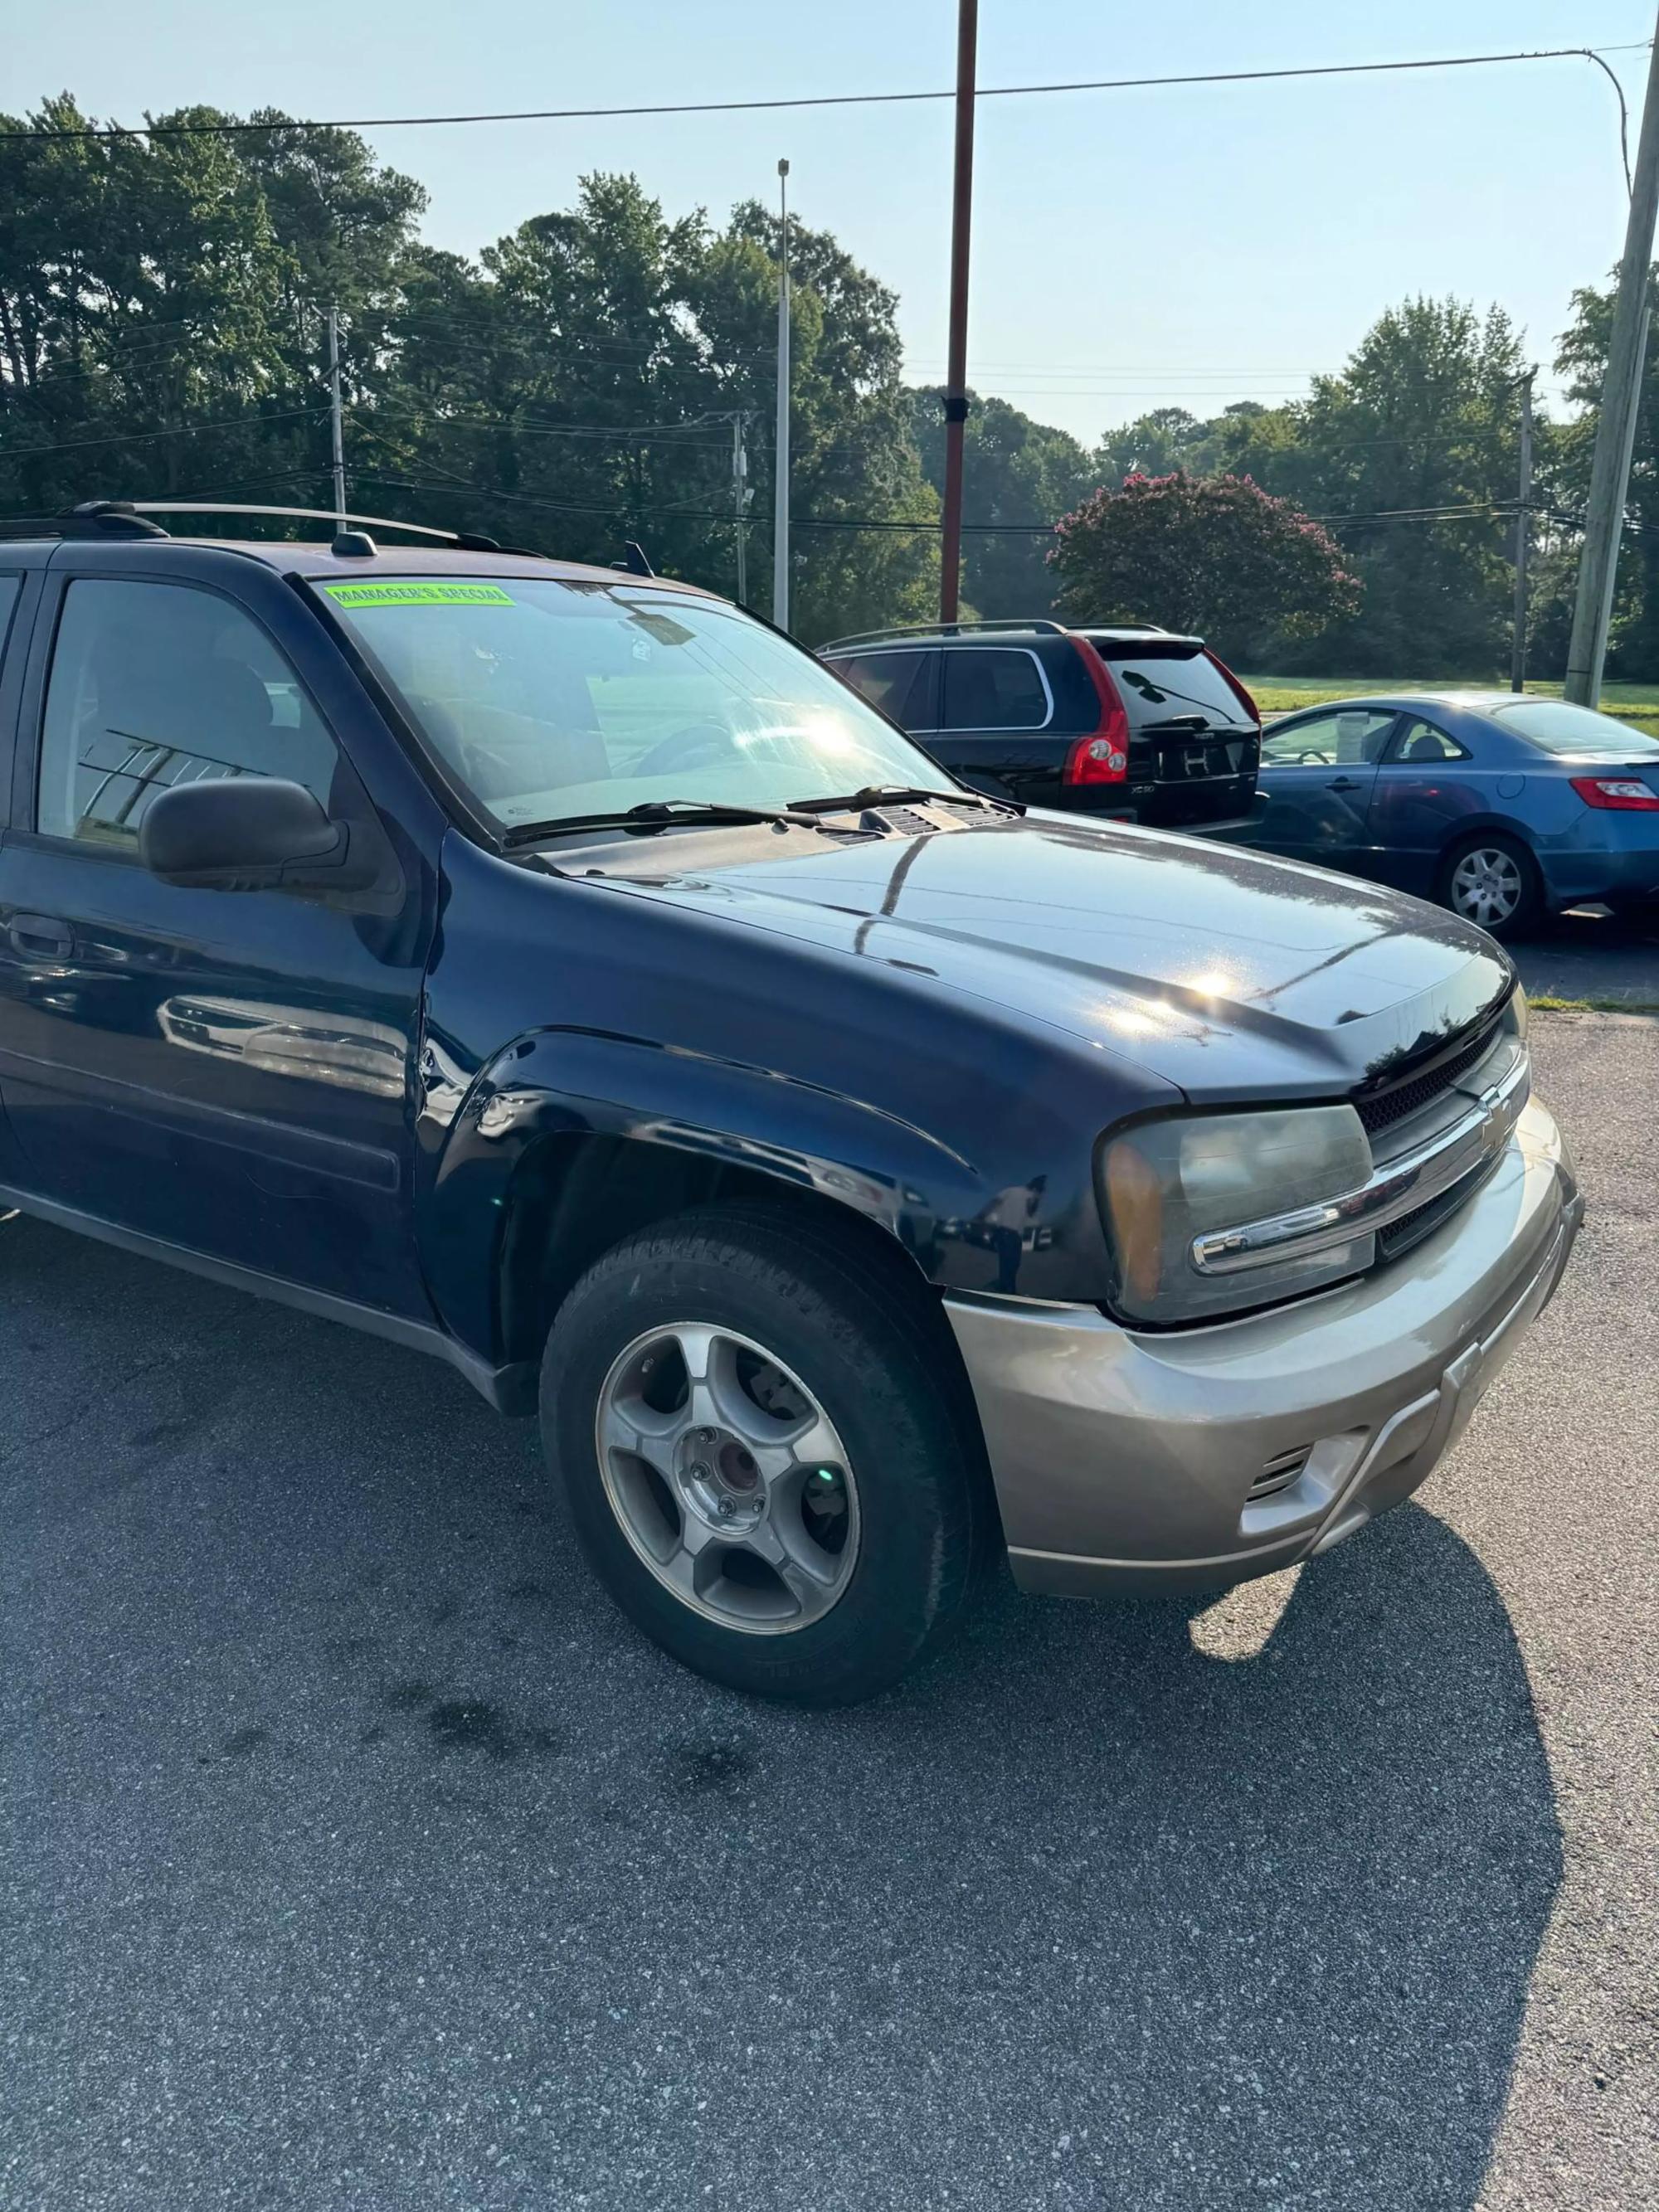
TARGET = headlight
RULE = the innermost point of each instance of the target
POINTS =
(1165, 1185)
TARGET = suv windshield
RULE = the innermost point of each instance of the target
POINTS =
(549, 698)
(1575, 731)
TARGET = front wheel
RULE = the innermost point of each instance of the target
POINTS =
(1492, 880)
(766, 1455)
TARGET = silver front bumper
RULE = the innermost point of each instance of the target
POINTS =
(1124, 1461)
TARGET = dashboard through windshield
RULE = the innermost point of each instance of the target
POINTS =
(547, 698)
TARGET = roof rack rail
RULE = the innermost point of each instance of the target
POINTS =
(948, 629)
(468, 540)
(127, 518)
(94, 518)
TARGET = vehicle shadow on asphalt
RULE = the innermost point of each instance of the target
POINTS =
(363, 1855)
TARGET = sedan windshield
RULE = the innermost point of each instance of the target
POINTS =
(550, 699)
(1576, 732)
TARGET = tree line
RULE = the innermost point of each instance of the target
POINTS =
(599, 373)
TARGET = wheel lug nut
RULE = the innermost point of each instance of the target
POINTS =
(724, 1509)
(699, 1472)
(705, 1436)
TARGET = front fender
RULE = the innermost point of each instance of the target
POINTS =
(563, 1083)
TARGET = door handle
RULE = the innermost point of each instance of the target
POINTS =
(1346, 783)
(37, 933)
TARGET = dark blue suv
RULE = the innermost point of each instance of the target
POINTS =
(555, 969)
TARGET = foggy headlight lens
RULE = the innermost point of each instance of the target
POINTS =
(1164, 1184)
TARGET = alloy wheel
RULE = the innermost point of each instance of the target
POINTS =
(727, 1478)
(1487, 886)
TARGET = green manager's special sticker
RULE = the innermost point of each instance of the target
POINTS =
(413, 592)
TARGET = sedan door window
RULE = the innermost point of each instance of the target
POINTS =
(1353, 736)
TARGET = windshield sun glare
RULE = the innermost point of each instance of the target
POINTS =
(548, 699)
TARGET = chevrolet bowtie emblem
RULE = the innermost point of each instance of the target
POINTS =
(1495, 1129)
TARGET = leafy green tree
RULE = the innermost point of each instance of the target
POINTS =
(580, 382)
(1214, 555)
(1154, 444)
(161, 301)
(1015, 471)
(1422, 418)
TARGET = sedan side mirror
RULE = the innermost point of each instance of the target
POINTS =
(247, 833)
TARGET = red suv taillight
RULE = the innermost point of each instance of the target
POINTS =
(1102, 756)
(1617, 794)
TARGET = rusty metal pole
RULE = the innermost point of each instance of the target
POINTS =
(956, 375)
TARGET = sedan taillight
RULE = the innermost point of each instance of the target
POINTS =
(1617, 794)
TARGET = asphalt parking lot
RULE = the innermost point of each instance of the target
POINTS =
(354, 1853)
(1591, 954)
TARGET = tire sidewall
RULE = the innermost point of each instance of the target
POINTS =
(900, 1452)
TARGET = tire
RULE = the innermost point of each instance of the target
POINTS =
(781, 1315)
(1495, 872)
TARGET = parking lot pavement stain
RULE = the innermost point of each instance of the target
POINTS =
(695, 1769)
(476, 1724)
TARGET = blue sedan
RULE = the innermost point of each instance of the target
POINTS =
(1502, 807)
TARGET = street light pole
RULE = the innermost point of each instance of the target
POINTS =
(337, 420)
(1522, 535)
(955, 373)
(781, 510)
(1615, 430)
(739, 502)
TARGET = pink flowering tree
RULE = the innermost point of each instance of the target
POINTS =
(1213, 555)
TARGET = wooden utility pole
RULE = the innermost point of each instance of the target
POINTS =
(956, 373)
(1615, 430)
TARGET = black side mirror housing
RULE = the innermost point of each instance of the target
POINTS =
(248, 834)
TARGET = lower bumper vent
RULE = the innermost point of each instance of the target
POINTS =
(1278, 1474)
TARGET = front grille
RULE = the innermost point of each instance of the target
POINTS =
(1384, 1107)
(1423, 1220)
(1279, 1473)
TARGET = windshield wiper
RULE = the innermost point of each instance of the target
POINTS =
(653, 814)
(892, 794)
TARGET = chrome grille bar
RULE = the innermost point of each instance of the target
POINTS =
(1397, 1189)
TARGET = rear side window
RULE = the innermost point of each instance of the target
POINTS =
(993, 688)
(897, 683)
(153, 685)
(1575, 731)
(1422, 744)
(1170, 686)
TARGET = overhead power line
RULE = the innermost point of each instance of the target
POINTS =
(276, 125)
(21, 453)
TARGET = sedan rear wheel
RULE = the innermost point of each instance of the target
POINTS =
(1492, 881)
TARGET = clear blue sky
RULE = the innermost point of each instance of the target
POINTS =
(1190, 245)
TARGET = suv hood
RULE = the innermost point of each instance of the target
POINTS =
(1229, 973)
